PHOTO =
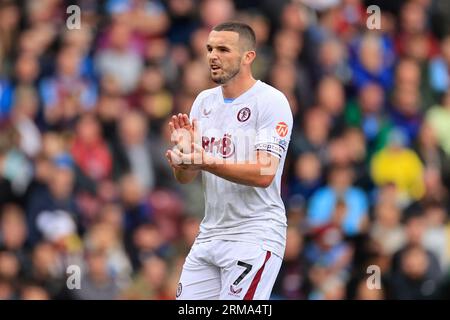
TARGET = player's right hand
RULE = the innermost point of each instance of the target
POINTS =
(182, 132)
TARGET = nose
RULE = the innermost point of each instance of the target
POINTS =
(212, 55)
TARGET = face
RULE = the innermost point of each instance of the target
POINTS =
(330, 94)
(88, 129)
(307, 167)
(13, 228)
(415, 263)
(224, 55)
(371, 98)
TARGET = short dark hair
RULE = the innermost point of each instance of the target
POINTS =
(244, 30)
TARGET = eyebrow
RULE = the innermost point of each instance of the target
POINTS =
(220, 46)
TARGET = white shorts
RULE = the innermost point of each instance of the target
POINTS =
(228, 270)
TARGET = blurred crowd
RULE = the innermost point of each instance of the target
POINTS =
(83, 132)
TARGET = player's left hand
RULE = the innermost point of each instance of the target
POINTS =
(198, 159)
(173, 159)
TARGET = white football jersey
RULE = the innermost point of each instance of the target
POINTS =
(259, 119)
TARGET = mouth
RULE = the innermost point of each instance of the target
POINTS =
(214, 67)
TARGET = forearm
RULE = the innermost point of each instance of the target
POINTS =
(259, 173)
(255, 175)
(184, 176)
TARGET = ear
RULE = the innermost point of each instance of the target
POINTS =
(249, 56)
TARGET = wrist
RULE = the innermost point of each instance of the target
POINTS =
(208, 163)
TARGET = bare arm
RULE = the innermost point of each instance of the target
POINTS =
(257, 174)
(188, 160)
(182, 175)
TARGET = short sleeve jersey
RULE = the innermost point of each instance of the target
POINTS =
(259, 119)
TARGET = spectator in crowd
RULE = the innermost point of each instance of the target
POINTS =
(313, 134)
(14, 233)
(439, 78)
(438, 118)
(387, 231)
(415, 229)
(136, 149)
(102, 237)
(331, 99)
(414, 279)
(89, 150)
(307, 176)
(363, 292)
(83, 132)
(398, 164)
(48, 269)
(32, 291)
(7, 291)
(405, 115)
(66, 93)
(118, 59)
(150, 283)
(324, 203)
(367, 112)
(96, 282)
(291, 279)
(54, 203)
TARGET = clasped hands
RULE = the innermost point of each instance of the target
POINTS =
(187, 152)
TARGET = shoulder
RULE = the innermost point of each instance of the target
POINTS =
(272, 100)
(267, 92)
(208, 93)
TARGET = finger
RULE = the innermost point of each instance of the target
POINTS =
(175, 138)
(169, 158)
(180, 120)
(182, 143)
(176, 123)
(185, 158)
(173, 133)
(175, 159)
(177, 153)
(185, 120)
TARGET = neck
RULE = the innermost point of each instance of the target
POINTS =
(237, 86)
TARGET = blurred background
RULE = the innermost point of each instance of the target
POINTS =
(83, 114)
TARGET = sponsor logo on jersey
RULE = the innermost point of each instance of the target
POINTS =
(244, 114)
(223, 146)
(280, 141)
(282, 129)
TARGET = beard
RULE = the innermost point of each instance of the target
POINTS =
(226, 75)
